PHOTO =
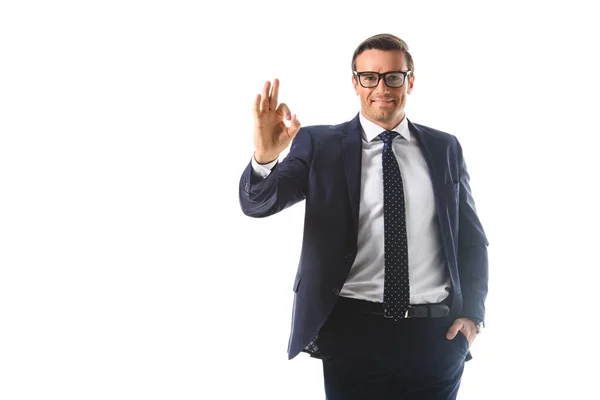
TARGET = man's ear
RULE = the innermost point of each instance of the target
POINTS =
(355, 84)
(411, 82)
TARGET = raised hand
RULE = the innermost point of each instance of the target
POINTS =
(271, 134)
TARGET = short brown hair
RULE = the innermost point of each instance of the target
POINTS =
(384, 41)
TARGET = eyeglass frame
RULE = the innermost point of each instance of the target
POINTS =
(379, 76)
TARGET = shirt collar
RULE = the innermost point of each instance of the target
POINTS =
(372, 130)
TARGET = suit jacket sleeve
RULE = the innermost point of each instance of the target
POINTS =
(472, 249)
(286, 185)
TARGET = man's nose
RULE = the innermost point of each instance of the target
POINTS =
(381, 86)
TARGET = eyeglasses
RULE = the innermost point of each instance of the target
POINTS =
(393, 79)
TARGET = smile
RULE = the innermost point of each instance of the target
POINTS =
(383, 102)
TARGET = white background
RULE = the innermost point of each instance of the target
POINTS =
(127, 270)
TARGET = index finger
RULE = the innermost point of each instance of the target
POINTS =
(274, 94)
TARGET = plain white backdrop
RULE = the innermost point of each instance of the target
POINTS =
(127, 270)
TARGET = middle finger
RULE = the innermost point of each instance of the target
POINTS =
(264, 101)
(274, 94)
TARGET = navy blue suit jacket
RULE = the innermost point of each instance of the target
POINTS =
(323, 168)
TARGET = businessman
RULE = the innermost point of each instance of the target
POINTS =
(393, 271)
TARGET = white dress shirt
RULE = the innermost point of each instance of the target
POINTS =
(429, 280)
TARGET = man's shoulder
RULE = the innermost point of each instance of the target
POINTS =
(433, 132)
(349, 127)
(328, 129)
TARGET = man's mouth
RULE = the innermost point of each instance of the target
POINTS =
(382, 101)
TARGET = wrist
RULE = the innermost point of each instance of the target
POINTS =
(478, 324)
(264, 158)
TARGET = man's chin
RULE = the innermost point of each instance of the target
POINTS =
(383, 117)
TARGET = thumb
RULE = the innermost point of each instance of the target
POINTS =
(294, 126)
(453, 331)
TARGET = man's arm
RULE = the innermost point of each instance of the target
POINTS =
(472, 249)
(286, 184)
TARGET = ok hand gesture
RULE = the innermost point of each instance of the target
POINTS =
(271, 134)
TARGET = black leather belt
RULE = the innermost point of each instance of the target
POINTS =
(425, 311)
(414, 311)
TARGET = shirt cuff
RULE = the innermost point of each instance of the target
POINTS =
(262, 170)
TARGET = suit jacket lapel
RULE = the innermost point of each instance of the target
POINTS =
(351, 142)
(434, 152)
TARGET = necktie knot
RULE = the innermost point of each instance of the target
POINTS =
(387, 136)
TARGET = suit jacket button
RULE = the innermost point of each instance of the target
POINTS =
(335, 291)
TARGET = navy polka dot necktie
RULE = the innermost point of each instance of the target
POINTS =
(396, 290)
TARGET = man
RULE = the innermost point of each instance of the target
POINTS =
(392, 278)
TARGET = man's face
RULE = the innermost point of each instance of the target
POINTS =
(382, 104)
